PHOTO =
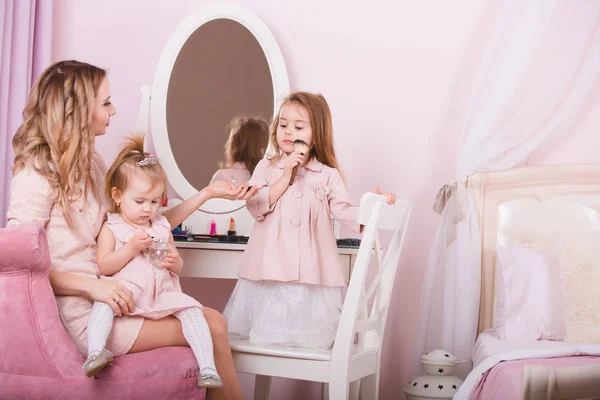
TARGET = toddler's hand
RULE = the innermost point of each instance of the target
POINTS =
(294, 159)
(391, 197)
(141, 241)
(171, 261)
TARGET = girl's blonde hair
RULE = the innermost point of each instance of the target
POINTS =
(133, 162)
(247, 143)
(56, 138)
(321, 125)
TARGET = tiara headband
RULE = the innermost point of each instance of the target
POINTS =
(150, 159)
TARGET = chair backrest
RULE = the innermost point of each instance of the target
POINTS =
(357, 318)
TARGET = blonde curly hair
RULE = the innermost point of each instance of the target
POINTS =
(56, 138)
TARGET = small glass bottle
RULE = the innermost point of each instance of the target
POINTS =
(157, 252)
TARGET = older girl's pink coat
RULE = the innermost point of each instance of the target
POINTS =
(293, 240)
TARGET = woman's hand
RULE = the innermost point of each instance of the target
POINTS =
(391, 197)
(225, 190)
(113, 293)
(292, 161)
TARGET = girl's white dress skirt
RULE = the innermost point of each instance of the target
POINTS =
(284, 314)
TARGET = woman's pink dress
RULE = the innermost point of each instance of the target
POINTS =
(32, 200)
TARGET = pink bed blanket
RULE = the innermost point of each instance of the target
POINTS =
(503, 381)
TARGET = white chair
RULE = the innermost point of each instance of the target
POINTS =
(353, 363)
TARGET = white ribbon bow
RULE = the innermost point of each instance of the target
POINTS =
(454, 197)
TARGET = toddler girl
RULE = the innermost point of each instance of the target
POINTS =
(136, 184)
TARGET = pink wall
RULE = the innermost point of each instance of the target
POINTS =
(387, 69)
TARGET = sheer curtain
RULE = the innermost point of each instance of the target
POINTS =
(25, 48)
(537, 76)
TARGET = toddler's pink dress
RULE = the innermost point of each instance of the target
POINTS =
(156, 291)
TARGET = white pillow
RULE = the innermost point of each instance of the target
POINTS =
(529, 299)
(580, 277)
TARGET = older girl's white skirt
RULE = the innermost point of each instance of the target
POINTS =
(284, 314)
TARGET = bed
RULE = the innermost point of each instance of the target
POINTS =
(552, 213)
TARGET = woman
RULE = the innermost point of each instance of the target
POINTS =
(58, 182)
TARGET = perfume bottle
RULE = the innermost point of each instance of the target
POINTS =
(157, 252)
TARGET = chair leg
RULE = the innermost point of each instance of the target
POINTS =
(262, 387)
(354, 389)
(369, 388)
(325, 391)
(338, 389)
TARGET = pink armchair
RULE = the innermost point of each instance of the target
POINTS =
(38, 359)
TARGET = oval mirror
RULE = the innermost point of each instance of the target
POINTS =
(221, 62)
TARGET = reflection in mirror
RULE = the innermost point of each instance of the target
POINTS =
(247, 143)
(220, 73)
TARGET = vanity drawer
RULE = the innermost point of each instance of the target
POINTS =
(223, 264)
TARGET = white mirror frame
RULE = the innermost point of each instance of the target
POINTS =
(162, 76)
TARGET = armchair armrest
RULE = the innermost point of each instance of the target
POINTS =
(34, 341)
(24, 247)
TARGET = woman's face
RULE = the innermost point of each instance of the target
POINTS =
(103, 110)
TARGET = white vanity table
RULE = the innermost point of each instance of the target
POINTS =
(221, 260)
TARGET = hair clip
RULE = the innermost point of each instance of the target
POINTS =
(151, 159)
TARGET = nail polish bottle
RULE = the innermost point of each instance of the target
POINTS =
(213, 227)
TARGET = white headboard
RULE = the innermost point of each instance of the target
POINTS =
(526, 205)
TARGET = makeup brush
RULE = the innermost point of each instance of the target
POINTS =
(301, 147)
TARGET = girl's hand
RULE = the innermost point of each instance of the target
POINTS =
(113, 293)
(225, 190)
(391, 197)
(293, 160)
(172, 261)
(140, 242)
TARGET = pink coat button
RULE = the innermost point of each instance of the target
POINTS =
(295, 222)
(297, 195)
